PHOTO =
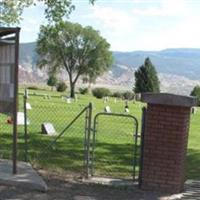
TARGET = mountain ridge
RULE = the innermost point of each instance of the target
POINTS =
(181, 64)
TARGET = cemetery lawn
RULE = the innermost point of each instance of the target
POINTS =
(67, 153)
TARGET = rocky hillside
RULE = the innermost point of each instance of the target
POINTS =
(179, 69)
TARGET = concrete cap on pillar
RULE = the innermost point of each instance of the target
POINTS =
(169, 99)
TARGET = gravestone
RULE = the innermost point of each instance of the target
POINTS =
(68, 100)
(194, 110)
(20, 119)
(107, 109)
(126, 110)
(28, 106)
(48, 129)
(115, 100)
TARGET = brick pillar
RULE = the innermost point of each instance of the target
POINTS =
(165, 141)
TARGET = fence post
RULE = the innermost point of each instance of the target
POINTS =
(25, 128)
(142, 146)
(85, 140)
(88, 139)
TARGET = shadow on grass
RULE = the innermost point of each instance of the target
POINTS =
(193, 164)
(113, 160)
(68, 154)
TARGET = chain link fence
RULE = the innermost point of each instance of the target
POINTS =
(59, 134)
(106, 147)
(6, 134)
(55, 133)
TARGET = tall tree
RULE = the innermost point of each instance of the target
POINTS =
(52, 81)
(196, 93)
(55, 10)
(74, 48)
(146, 79)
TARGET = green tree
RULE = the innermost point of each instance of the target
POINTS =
(196, 93)
(55, 10)
(52, 81)
(79, 50)
(146, 79)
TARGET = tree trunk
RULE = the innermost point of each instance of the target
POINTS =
(72, 88)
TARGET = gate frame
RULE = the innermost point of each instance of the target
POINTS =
(135, 141)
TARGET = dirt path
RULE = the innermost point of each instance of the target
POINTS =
(61, 189)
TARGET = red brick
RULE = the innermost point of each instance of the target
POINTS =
(165, 142)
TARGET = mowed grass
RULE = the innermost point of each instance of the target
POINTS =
(114, 149)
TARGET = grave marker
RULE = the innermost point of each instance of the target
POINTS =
(20, 119)
(48, 129)
(126, 110)
(194, 110)
(107, 109)
(68, 100)
(28, 106)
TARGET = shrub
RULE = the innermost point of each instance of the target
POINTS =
(33, 87)
(101, 92)
(61, 87)
(83, 90)
(128, 95)
(52, 81)
(196, 93)
(117, 94)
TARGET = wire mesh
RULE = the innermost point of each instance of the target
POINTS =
(114, 147)
(6, 134)
(64, 150)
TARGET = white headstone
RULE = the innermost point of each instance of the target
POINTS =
(68, 100)
(107, 109)
(28, 106)
(115, 100)
(126, 110)
(48, 128)
(20, 119)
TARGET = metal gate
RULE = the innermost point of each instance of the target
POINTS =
(114, 149)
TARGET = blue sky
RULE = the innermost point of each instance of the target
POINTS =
(130, 25)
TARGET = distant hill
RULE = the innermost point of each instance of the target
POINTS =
(179, 69)
(183, 62)
(27, 55)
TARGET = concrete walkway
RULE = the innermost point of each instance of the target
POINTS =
(192, 190)
(26, 176)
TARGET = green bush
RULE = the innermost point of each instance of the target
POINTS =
(101, 92)
(33, 87)
(128, 95)
(83, 90)
(196, 93)
(61, 87)
(117, 94)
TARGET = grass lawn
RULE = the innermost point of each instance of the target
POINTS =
(114, 138)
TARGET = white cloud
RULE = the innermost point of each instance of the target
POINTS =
(114, 20)
(163, 8)
(184, 35)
